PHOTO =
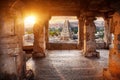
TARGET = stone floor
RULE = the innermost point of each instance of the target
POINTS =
(68, 65)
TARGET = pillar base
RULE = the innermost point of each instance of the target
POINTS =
(79, 47)
(7, 76)
(107, 75)
(38, 55)
(91, 54)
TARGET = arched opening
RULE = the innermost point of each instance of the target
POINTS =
(103, 36)
(99, 34)
(63, 31)
(28, 37)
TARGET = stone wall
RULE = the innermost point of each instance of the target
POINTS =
(11, 54)
(61, 46)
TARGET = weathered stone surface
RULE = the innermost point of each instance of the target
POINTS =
(114, 65)
(62, 46)
(114, 59)
(38, 55)
(68, 65)
(7, 76)
(81, 33)
(8, 46)
(9, 40)
(107, 34)
(11, 55)
(7, 27)
(118, 46)
(47, 33)
(11, 60)
(118, 37)
(39, 41)
(91, 46)
(100, 45)
(10, 51)
(89, 38)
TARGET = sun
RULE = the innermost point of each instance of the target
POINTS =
(30, 20)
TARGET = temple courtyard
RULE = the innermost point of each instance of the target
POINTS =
(68, 65)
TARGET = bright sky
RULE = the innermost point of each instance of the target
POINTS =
(61, 19)
(29, 21)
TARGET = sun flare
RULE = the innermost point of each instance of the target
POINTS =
(30, 20)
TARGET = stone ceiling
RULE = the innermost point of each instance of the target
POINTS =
(67, 6)
(93, 5)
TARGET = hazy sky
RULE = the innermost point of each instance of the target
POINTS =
(61, 19)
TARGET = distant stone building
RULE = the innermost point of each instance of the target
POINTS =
(66, 33)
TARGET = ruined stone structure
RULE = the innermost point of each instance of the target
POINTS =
(12, 30)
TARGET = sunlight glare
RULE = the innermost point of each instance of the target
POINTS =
(30, 20)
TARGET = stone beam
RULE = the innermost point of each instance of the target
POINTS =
(64, 13)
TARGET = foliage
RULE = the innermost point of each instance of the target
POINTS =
(100, 32)
(74, 29)
(29, 30)
(54, 32)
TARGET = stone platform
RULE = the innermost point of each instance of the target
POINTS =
(68, 65)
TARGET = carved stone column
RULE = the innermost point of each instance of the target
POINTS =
(47, 33)
(80, 33)
(113, 70)
(89, 38)
(107, 35)
(39, 40)
(39, 28)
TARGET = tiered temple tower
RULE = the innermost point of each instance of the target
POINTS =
(66, 32)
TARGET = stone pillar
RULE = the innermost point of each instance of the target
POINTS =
(39, 40)
(11, 54)
(89, 38)
(80, 33)
(47, 34)
(113, 71)
(19, 32)
(107, 34)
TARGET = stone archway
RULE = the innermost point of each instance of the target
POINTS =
(65, 37)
